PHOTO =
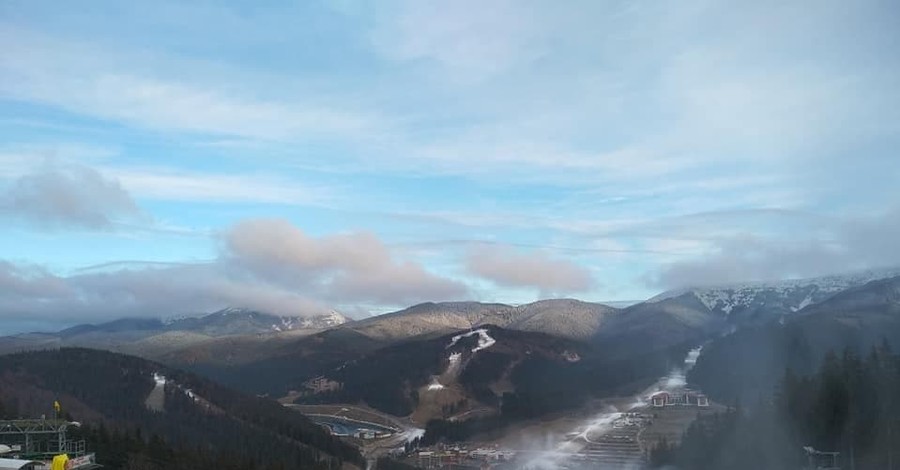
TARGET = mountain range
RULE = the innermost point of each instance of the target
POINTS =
(456, 369)
(152, 337)
(741, 365)
(274, 355)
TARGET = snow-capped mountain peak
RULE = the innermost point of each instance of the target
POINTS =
(779, 297)
(236, 320)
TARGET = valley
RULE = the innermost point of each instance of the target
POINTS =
(449, 235)
(437, 385)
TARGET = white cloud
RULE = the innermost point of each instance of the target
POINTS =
(356, 267)
(848, 243)
(55, 196)
(536, 270)
(32, 293)
(601, 94)
(269, 265)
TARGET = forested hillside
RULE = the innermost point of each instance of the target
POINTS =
(538, 376)
(851, 405)
(203, 423)
(751, 361)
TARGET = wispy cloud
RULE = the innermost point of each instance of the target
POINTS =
(179, 185)
(165, 183)
(469, 41)
(95, 81)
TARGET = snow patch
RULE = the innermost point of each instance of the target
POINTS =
(435, 385)
(692, 356)
(412, 434)
(156, 399)
(805, 303)
(676, 379)
(484, 339)
(730, 299)
(560, 457)
(454, 359)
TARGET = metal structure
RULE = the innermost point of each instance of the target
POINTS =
(818, 460)
(40, 438)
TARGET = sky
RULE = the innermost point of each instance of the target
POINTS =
(161, 158)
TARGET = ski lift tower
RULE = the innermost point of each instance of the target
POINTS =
(818, 460)
(42, 439)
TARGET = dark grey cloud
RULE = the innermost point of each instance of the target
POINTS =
(850, 243)
(56, 196)
(536, 270)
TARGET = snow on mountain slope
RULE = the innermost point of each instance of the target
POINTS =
(246, 321)
(484, 339)
(768, 299)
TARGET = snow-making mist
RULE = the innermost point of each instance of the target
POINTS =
(590, 445)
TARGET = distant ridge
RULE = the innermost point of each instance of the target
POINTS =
(854, 277)
(152, 337)
(569, 318)
(768, 299)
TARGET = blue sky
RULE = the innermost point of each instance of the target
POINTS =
(160, 158)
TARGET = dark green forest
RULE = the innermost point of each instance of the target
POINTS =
(106, 392)
(544, 387)
(851, 405)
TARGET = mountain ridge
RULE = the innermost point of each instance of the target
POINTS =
(762, 301)
(739, 365)
(570, 318)
(151, 336)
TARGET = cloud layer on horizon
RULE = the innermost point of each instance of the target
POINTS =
(845, 245)
(265, 264)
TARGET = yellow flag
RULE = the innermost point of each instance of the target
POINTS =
(56, 406)
(59, 462)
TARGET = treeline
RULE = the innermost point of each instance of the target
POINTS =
(850, 405)
(107, 392)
